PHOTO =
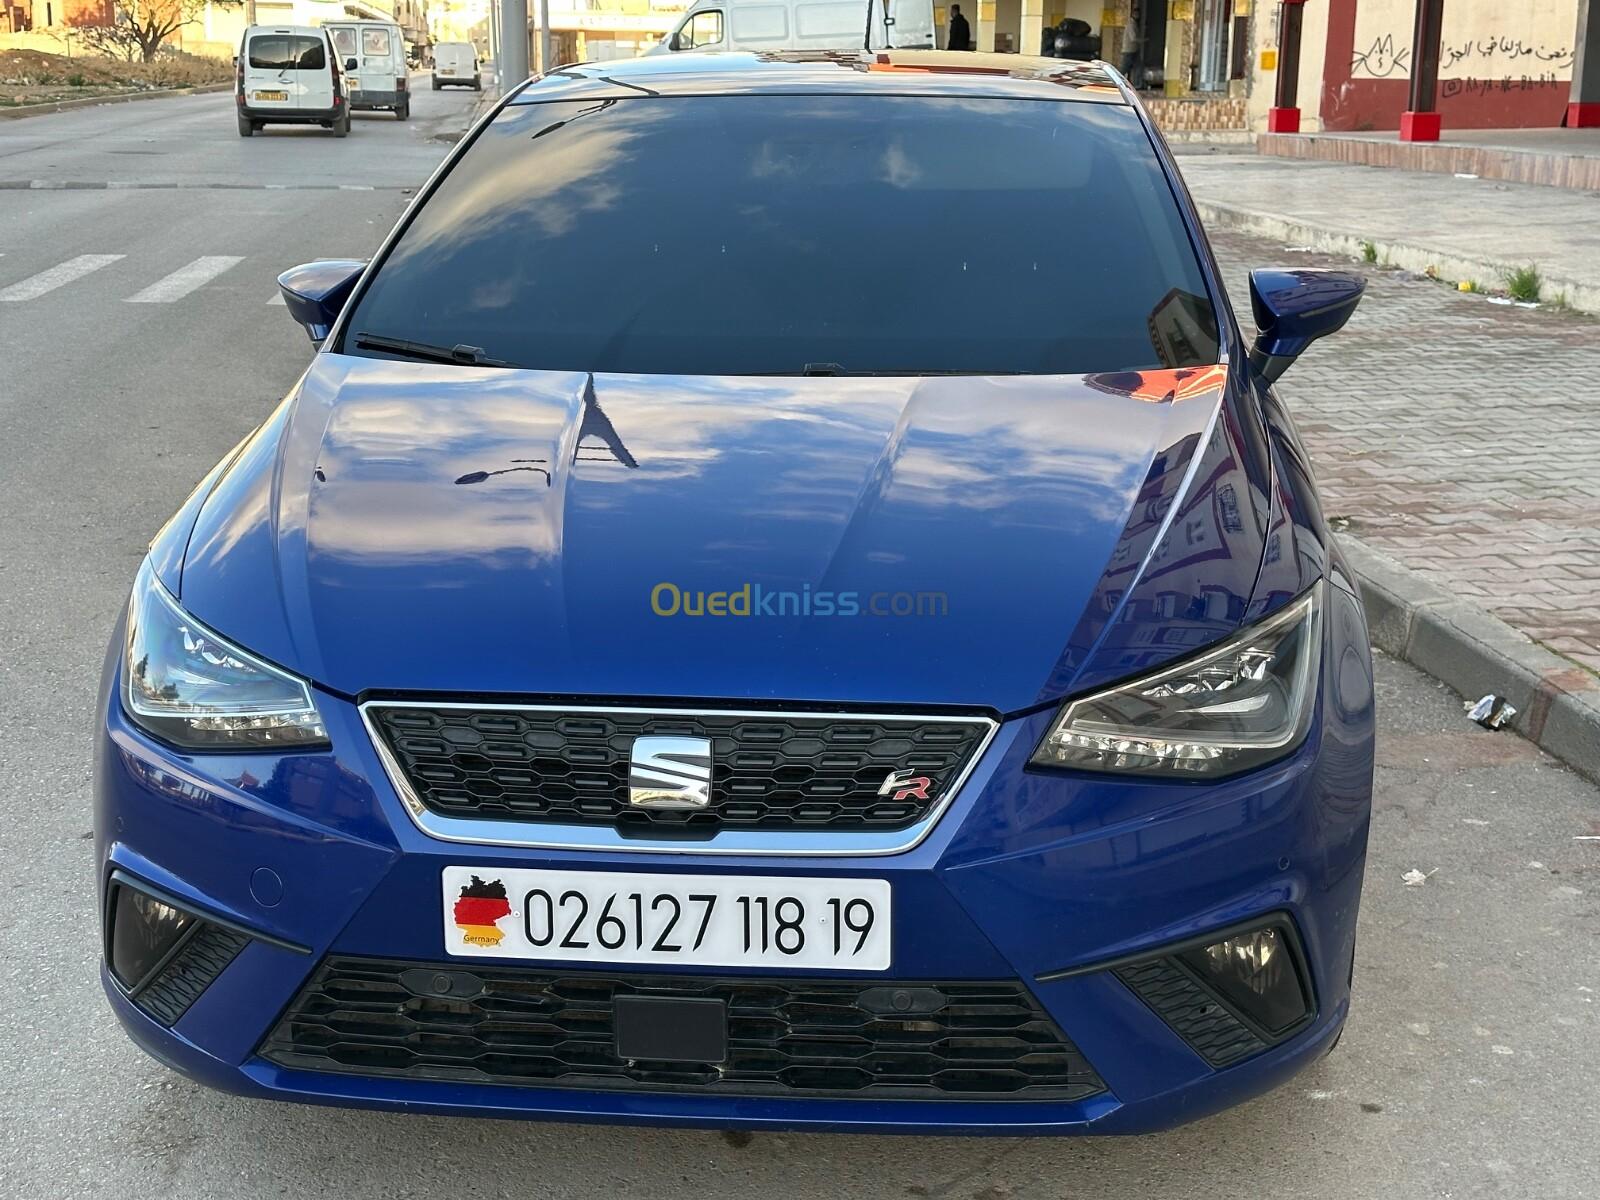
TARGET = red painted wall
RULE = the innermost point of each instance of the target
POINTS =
(1349, 104)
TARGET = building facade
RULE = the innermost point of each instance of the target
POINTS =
(1498, 65)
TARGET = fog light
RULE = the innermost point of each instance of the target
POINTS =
(1256, 973)
(144, 933)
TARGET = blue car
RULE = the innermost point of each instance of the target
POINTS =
(783, 600)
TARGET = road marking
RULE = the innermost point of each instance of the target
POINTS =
(48, 281)
(277, 298)
(185, 279)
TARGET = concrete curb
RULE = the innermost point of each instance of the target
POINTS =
(1461, 645)
(1581, 294)
(40, 110)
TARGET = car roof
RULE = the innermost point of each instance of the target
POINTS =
(902, 72)
(309, 30)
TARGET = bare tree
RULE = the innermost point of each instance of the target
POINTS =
(141, 26)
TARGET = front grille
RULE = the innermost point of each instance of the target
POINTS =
(570, 766)
(786, 1037)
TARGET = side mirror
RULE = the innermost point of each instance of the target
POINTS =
(1293, 308)
(350, 64)
(315, 293)
(677, 41)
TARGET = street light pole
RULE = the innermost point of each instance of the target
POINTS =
(544, 37)
(494, 37)
(513, 43)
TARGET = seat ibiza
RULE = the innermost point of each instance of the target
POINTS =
(784, 599)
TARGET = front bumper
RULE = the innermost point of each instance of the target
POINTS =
(1027, 875)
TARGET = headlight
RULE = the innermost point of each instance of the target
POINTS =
(1233, 707)
(194, 689)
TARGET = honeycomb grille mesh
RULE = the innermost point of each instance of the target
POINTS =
(790, 1037)
(1193, 1013)
(169, 995)
(768, 772)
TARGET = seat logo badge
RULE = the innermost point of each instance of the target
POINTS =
(670, 772)
(904, 785)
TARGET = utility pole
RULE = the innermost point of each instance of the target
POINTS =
(494, 39)
(513, 43)
(544, 37)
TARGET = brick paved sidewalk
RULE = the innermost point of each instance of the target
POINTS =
(1472, 229)
(1459, 437)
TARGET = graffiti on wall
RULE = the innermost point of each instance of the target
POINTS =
(1502, 62)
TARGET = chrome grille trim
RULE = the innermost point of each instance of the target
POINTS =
(542, 836)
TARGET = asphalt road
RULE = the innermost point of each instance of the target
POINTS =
(1470, 1064)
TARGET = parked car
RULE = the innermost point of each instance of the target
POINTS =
(682, 655)
(380, 79)
(456, 63)
(801, 25)
(289, 75)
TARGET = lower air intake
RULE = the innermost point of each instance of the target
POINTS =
(786, 1037)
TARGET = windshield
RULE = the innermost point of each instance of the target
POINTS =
(791, 235)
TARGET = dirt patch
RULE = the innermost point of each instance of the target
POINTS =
(33, 77)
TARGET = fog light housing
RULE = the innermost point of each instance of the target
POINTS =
(1257, 973)
(144, 933)
(162, 955)
(1230, 993)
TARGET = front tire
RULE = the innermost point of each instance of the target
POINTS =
(246, 126)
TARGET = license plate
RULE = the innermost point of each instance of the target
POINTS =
(272, 95)
(354, 83)
(447, 71)
(677, 920)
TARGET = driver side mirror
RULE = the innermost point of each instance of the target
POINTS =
(315, 293)
(1293, 308)
(677, 41)
(350, 64)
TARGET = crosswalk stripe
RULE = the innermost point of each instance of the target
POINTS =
(277, 298)
(185, 279)
(63, 273)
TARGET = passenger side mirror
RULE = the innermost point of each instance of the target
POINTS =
(1293, 308)
(350, 64)
(315, 293)
(677, 41)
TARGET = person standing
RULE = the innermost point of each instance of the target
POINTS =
(960, 34)
(1133, 47)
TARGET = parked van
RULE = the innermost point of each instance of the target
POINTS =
(456, 62)
(802, 25)
(289, 75)
(378, 81)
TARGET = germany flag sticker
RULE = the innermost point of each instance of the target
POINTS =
(478, 909)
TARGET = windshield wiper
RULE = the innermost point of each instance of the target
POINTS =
(467, 356)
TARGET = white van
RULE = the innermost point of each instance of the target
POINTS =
(456, 62)
(802, 25)
(380, 77)
(289, 75)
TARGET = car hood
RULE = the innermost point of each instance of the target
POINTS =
(985, 542)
